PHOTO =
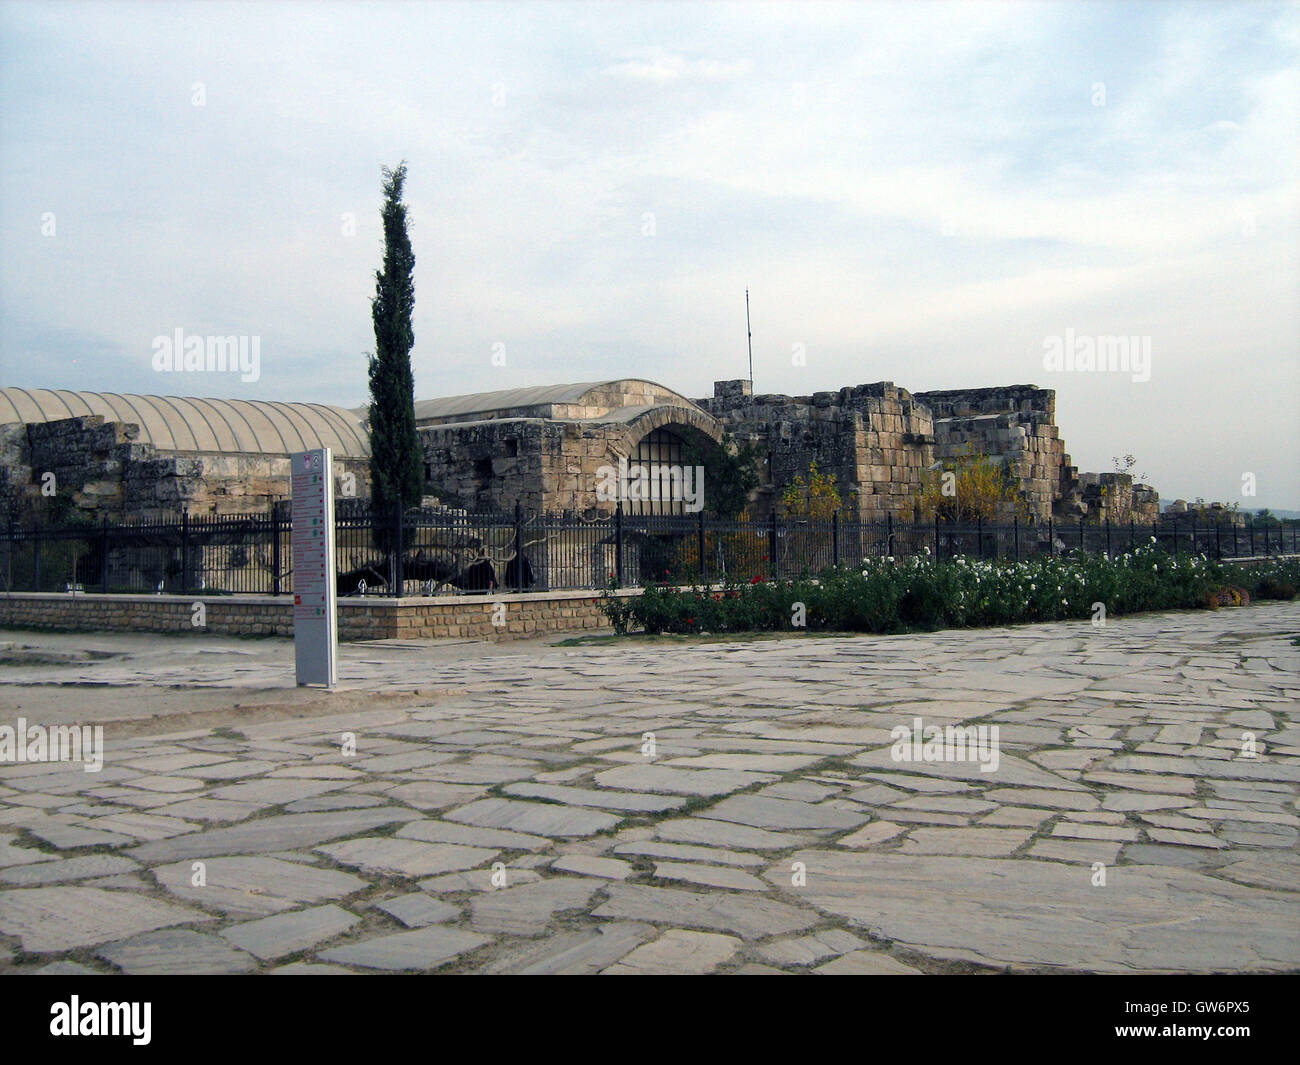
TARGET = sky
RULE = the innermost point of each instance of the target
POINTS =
(938, 195)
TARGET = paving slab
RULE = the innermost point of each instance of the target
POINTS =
(176, 951)
(254, 885)
(277, 832)
(678, 951)
(48, 919)
(541, 819)
(417, 910)
(424, 949)
(748, 916)
(389, 856)
(287, 933)
(526, 910)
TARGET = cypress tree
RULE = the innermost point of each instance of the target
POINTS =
(396, 468)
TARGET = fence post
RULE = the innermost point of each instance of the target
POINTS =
(1051, 536)
(889, 532)
(396, 569)
(36, 557)
(1132, 533)
(1250, 527)
(275, 550)
(103, 555)
(618, 543)
(979, 533)
(771, 546)
(699, 536)
(1108, 536)
(835, 538)
(1015, 531)
(519, 548)
(1155, 533)
(1081, 545)
(185, 550)
(936, 535)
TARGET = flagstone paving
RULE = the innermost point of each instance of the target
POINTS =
(678, 806)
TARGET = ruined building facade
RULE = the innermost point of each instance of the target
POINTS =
(543, 448)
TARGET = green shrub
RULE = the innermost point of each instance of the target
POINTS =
(884, 596)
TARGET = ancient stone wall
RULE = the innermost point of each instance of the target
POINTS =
(101, 469)
(875, 439)
(1113, 497)
(1015, 424)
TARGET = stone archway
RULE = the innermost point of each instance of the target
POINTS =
(659, 444)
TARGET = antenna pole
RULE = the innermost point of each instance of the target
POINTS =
(749, 333)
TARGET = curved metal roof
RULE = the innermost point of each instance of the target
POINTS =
(174, 423)
(515, 398)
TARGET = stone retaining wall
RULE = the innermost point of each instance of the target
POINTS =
(436, 617)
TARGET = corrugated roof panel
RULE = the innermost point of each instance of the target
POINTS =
(173, 423)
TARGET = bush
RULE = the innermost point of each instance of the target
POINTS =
(883, 596)
(1273, 588)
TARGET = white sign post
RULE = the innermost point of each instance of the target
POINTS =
(315, 628)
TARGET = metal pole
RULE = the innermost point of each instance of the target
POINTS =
(275, 551)
(1108, 537)
(185, 551)
(835, 538)
(618, 543)
(1015, 530)
(103, 555)
(750, 335)
(519, 547)
(700, 541)
(398, 577)
(771, 547)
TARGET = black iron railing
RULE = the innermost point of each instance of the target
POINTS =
(427, 551)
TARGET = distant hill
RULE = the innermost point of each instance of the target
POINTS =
(1251, 511)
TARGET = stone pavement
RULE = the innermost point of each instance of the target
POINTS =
(677, 806)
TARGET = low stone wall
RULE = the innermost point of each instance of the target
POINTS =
(435, 617)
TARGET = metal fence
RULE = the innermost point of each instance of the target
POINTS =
(427, 552)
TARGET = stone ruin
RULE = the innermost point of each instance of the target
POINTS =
(542, 448)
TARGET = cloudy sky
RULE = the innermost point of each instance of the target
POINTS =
(921, 192)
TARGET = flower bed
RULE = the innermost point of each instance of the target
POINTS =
(884, 596)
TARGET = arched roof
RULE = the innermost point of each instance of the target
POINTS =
(537, 396)
(174, 423)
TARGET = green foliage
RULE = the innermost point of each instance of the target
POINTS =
(981, 488)
(884, 597)
(730, 474)
(815, 499)
(396, 467)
